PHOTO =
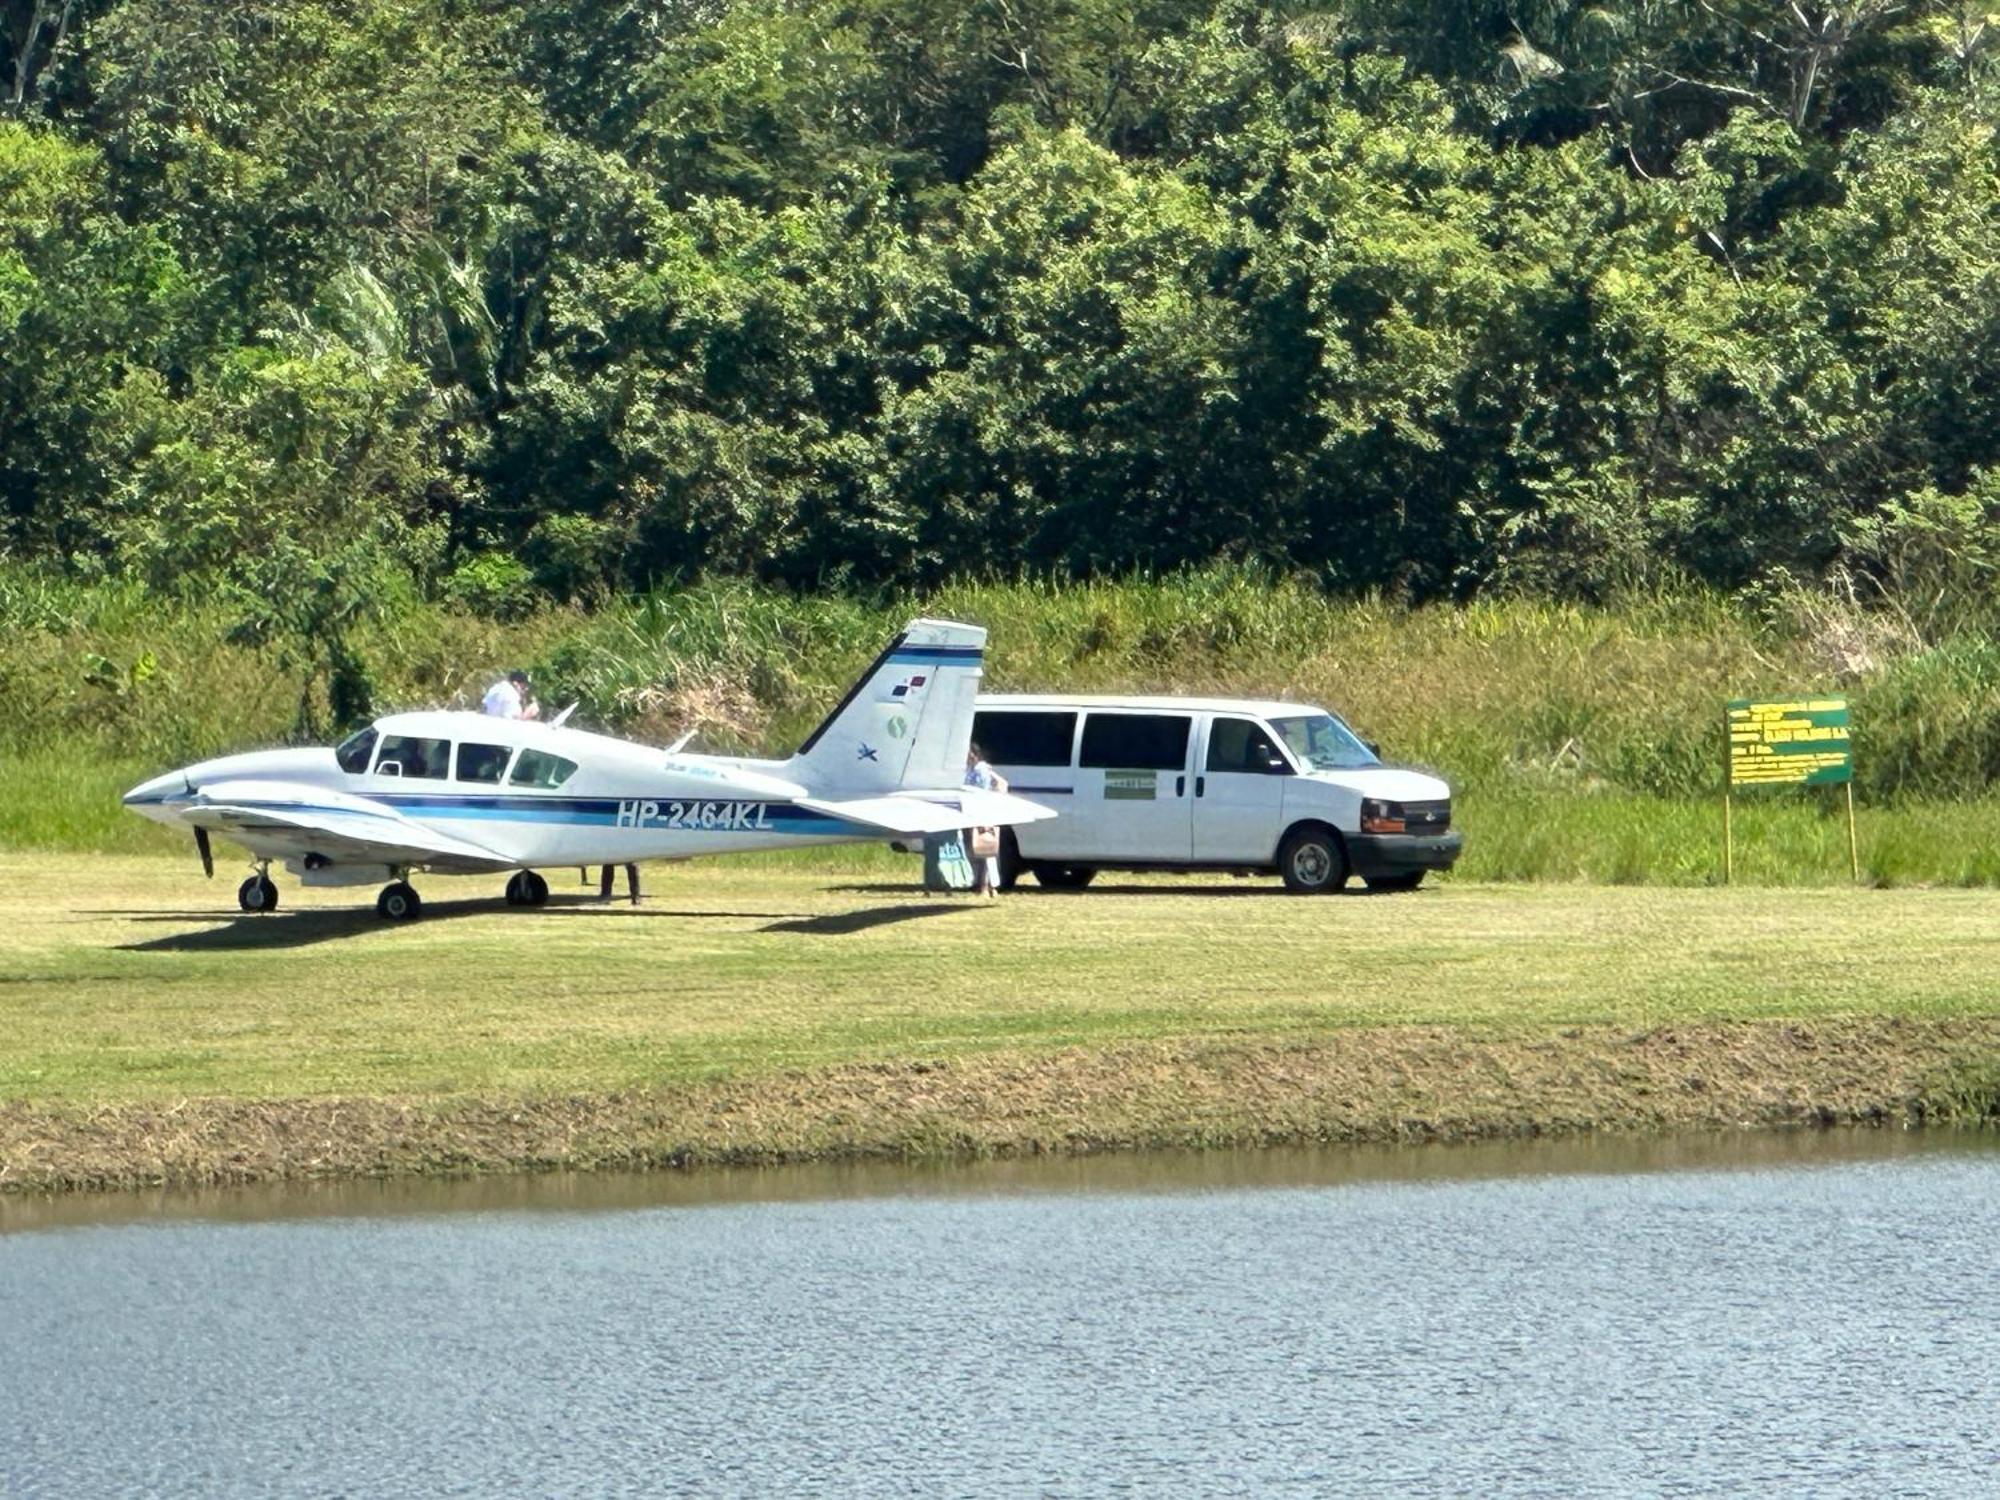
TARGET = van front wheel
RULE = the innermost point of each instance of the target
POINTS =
(1313, 862)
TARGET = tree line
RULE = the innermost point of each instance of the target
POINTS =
(312, 302)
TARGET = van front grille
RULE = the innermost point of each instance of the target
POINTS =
(1427, 817)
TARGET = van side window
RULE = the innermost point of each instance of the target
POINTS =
(1139, 742)
(354, 751)
(483, 763)
(1239, 745)
(538, 768)
(1041, 738)
(412, 756)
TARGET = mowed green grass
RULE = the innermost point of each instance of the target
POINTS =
(130, 978)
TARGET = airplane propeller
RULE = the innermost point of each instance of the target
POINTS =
(207, 856)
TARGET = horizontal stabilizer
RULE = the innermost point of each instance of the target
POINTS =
(978, 808)
(937, 813)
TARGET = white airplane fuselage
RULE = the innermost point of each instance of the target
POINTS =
(623, 803)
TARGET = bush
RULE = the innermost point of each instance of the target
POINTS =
(492, 584)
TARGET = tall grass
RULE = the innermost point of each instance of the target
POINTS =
(1584, 743)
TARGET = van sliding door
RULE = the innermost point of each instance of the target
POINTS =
(1035, 749)
(1133, 798)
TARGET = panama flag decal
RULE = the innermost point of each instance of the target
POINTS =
(908, 686)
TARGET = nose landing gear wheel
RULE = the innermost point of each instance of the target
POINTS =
(526, 888)
(258, 893)
(399, 903)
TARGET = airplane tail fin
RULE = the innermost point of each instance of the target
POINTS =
(907, 722)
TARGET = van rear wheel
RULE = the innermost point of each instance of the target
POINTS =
(1064, 877)
(1010, 860)
(1313, 862)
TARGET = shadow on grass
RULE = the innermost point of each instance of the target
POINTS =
(1101, 888)
(840, 923)
(299, 929)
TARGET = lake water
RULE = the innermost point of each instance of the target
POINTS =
(1808, 1314)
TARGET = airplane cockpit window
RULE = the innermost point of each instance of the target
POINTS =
(538, 768)
(484, 763)
(412, 756)
(354, 751)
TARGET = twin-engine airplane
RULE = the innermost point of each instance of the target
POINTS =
(464, 793)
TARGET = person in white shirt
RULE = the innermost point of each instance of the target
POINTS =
(508, 698)
(978, 773)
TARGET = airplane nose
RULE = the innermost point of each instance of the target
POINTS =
(148, 794)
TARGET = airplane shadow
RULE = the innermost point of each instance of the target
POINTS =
(300, 929)
(839, 924)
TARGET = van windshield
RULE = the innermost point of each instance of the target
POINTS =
(1323, 743)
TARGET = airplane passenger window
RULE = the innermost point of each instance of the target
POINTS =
(483, 762)
(354, 751)
(537, 768)
(430, 759)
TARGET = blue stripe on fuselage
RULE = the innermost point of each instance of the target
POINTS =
(589, 812)
(605, 812)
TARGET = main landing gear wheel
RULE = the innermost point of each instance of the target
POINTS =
(1313, 862)
(399, 902)
(526, 888)
(258, 893)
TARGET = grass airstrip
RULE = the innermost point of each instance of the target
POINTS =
(775, 1009)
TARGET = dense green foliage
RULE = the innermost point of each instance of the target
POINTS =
(321, 305)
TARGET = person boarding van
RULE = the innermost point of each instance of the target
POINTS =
(1209, 784)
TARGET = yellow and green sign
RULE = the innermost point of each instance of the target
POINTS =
(1789, 742)
(1799, 741)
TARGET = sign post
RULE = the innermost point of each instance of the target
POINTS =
(1788, 742)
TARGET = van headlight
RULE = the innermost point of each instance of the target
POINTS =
(1381, 817)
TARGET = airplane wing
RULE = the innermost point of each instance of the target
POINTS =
(938, 812)
(278, 821)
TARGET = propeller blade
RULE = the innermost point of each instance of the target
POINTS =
(207, 855)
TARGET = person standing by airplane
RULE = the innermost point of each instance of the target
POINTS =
(983, 844)
(508, 698)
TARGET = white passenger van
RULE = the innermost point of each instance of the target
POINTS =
(1209, 784)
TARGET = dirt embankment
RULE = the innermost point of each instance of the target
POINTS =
(1391, 1084)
